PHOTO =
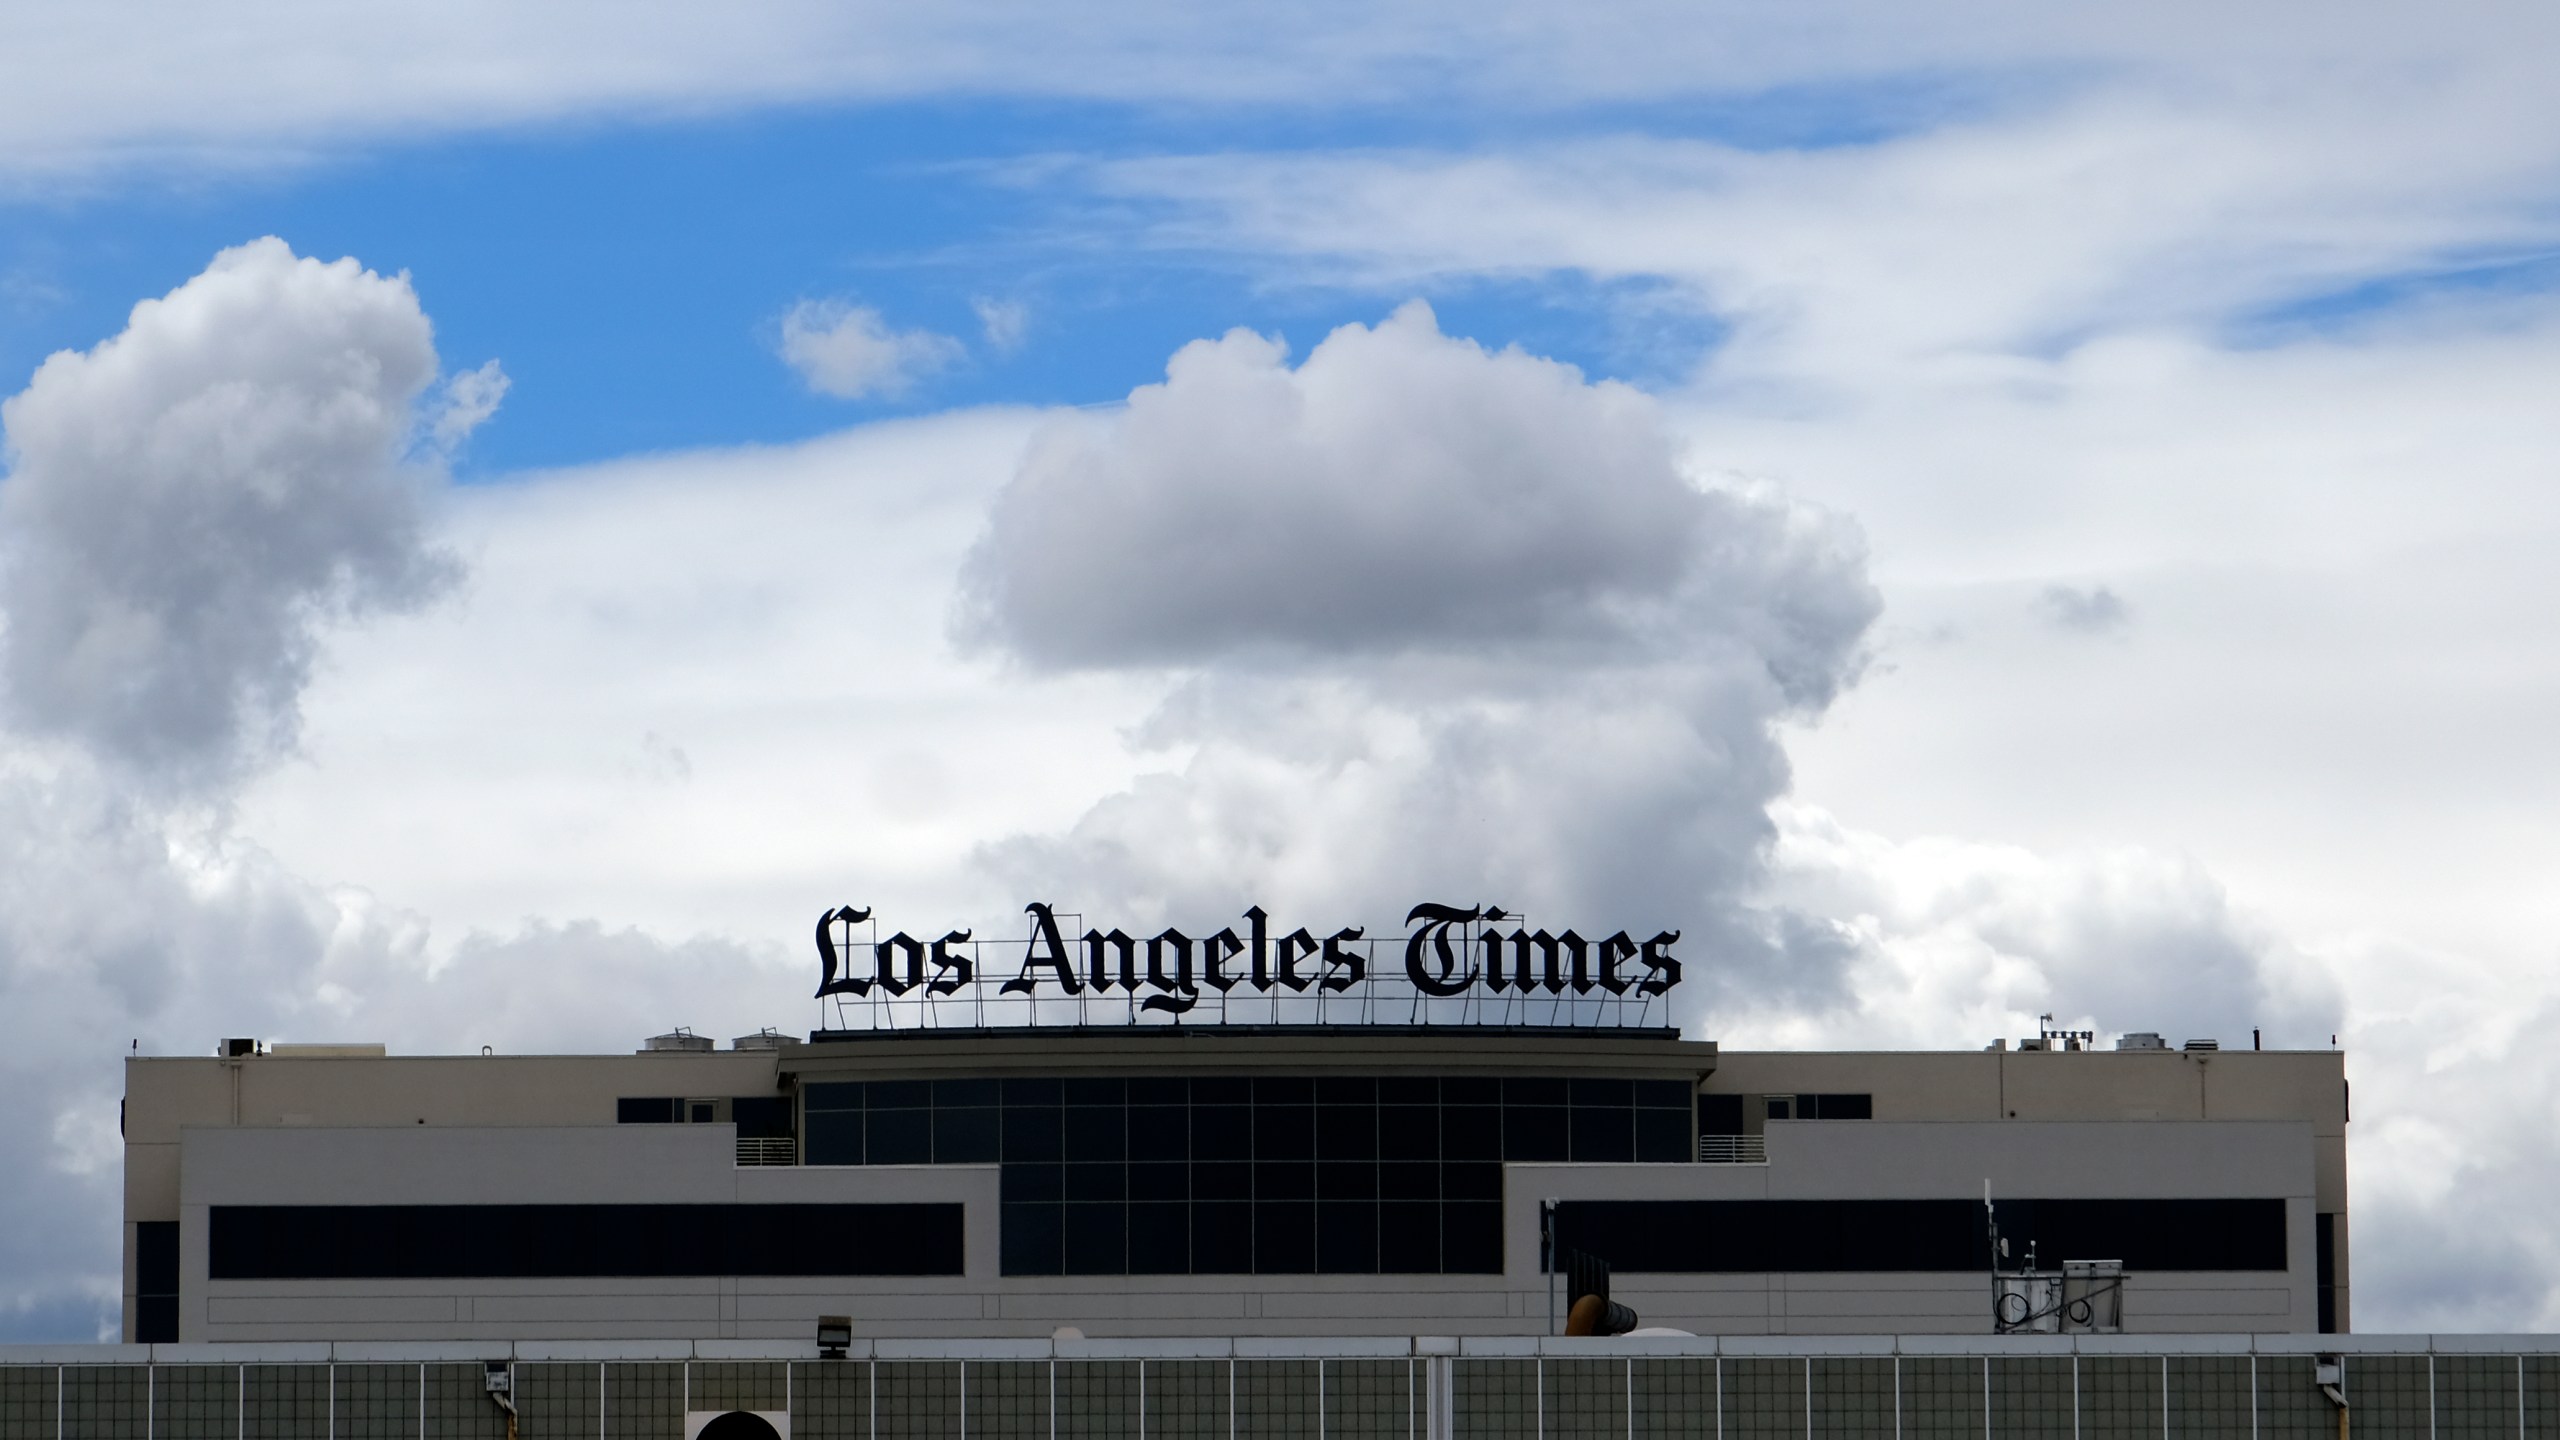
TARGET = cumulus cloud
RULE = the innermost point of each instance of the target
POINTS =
(1965, 941)
(1399, 490)
(187, 500)
(1448, 622)
(848, 351)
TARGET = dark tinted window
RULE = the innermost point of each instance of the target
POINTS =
(1719, 1114)
(898, 1137)
(644, 1110)
(834, 1138)
(761, 1117)
(1835, 1107)
(1832, 1236)
(1282, 1174)
(434, 1242)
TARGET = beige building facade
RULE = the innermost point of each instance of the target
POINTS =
(1223, 1181)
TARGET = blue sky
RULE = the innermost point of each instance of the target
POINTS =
(631, 278)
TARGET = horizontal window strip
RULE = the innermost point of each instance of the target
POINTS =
(437, 1242)
(1742, 1237)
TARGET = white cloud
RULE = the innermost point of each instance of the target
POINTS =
(124, 81)
(1004, 322)
(468, 400)
(186, 499)
(1398, 490)
(1447, 622)
(849, 352)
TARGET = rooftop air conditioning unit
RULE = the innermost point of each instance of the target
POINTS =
(2141, 1040)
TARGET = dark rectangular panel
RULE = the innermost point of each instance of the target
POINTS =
(1157, 1180)
(1159, 1090)
(2324, 1261)
(1534, 1132)
(1032, 1180)
(1097, 1182)
(1719, 1114)
(1408, 1238)
(1030, 1132)
(898, 1137)
(1346, 1237)
(1533, 1090)
(1097, 1132)
(1221, 1090)
(1283, 1090)
(412, 1242)
(1663, 1094)
(1346, 1180)
(1471, 1132)
(761, 1117)
(1032, 1240)
(900, 1095)
(1614, 1093)
(833, 1095)
(155, 1320)
(1087, 1090)
(1284, 1237)
(1159, 1239)
(1033, 1092)
(155, 1257)
(1408, 1132)
(834, 1138)
(1221, 1180)
(1836, 1107)
(1346, 1132)
(1471, 1237)
(966, 1135)
(1479, 1181)
(1221, 1238)
(645, 1110)
(1603, 1137)
(974, 1092)
(1408, 1180)
(1221, 1132)
(1285, 1180)
(1097, 1239)
(1662, 1137)
(1408, 1090)
(1753, 1236)
(1284, 1132)
(1159, 1132)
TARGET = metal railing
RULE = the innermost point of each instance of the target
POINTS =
(1732, 1150)
(768, 1150)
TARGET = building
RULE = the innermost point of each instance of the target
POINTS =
(1204, 1182)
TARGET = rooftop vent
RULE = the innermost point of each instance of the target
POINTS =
(234, 1049)
(2203, 1045)
(677, 1039)
(2141, 1040)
